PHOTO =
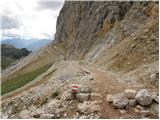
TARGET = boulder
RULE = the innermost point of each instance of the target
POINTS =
(82, 97)
(130, 93)
(66, 96)
(25, 114)
(53, 106)
(85, 89)
(109, 98)
(132, 102)
(143, 97)
(47, 116)
(119, 100)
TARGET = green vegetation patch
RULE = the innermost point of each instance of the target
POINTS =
(21, 79)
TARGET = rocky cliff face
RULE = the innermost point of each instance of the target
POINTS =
(120, 36)
(83, 24)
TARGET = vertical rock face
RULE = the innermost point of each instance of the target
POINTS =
(80, 25)
(118, 36)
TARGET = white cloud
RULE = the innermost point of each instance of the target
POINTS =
(29, 18)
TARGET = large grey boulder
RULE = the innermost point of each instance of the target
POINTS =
(119, 100)
(82, 97)
(143, 97)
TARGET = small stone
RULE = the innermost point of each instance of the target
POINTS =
(132, 102)
(90, 77)
(82, 97)
(88, 108)
(65, 115)
(77, 115)
(155, 98)
(119, 100)
(4, 116)
(143, 97)
(139, 107)
(60, 111)
(84, 117)
(39, 111)
(136, 110)
(130, 93)
(85, 89)
(96, 116)
(145, 112)
(47, 116)
(122, 111)
(53, 106)
(66, 96)
(25, 114)
(109, 98)
(155, 107)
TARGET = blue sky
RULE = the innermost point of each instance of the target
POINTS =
(29, 19)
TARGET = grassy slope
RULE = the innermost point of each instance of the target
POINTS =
(21, 79)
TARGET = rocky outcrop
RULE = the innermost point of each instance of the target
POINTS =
(87, 21)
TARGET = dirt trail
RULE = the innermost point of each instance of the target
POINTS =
(106, 84)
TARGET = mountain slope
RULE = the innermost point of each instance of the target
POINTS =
(103, 47)
(10, 54)
(120, 36)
